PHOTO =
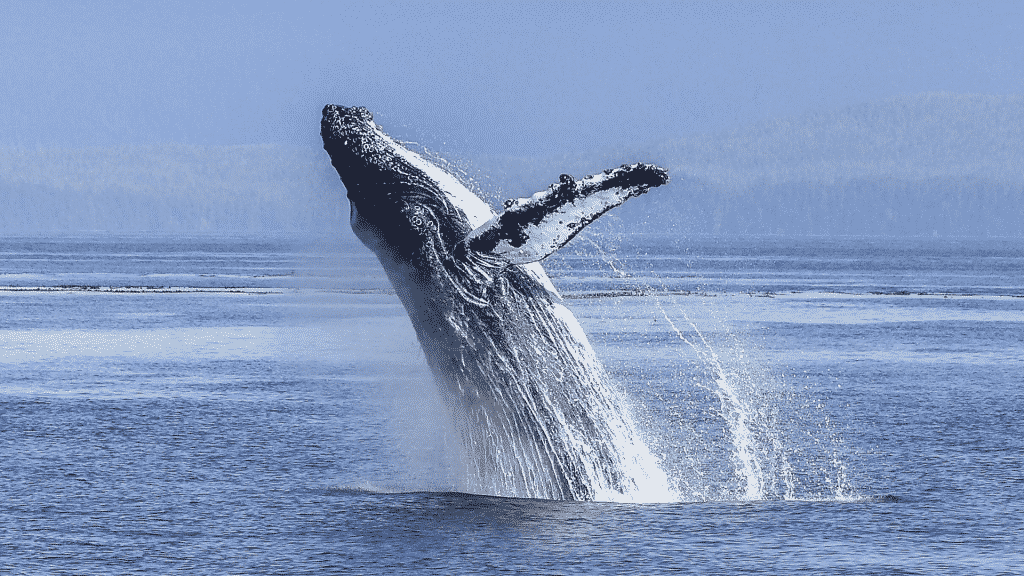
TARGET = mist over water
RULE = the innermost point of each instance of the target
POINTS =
(926, 165)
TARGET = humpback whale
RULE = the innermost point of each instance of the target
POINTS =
(537, 414)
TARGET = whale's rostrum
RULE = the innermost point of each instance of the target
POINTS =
(536, 411)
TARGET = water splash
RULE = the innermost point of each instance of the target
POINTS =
(554, 430)
(735, 411)
(727, 424)
(780, 442)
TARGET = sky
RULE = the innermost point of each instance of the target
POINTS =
(478, 78)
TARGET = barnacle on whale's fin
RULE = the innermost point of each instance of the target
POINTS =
(532, 228)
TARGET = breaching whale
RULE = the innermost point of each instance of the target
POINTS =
(533, 405)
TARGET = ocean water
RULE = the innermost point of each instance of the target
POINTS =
(226, 405)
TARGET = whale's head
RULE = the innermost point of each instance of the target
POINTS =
(402, 205)
(350, 137)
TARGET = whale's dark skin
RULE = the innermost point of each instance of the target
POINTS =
(509, 358)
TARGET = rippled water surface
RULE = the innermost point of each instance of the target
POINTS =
(241, 405)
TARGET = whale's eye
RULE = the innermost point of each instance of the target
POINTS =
(417, 220)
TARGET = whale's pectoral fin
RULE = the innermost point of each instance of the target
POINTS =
(532, 228)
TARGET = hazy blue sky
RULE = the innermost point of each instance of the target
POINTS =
(478, 78)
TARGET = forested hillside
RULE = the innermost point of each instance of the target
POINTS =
(948, 165)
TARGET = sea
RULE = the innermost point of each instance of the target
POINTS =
(260, 405)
